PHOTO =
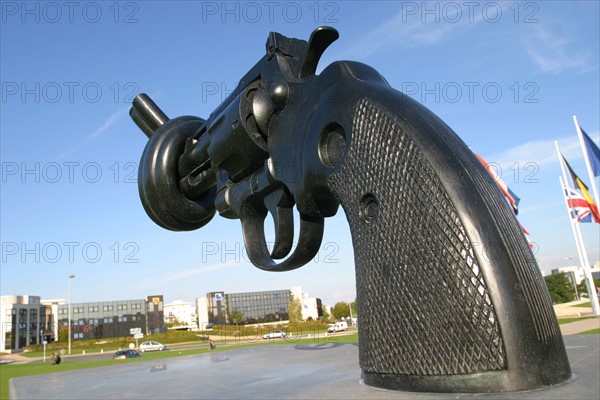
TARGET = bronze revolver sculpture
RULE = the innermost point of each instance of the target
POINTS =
(450, 296)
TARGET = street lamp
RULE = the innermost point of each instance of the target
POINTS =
(69, 317)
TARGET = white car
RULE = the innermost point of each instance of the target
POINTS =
(152, 346)
(337, 327)
(274, 334)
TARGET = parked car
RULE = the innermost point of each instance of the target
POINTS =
(123, 354)
(152, 346)
(274, 334)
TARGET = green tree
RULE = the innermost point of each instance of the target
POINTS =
(582, 287)
(63, 334)
(341, 309)
(354, 306)
(326, 315)
(174, 322)
(295, 307)
(236, 317)
(560, 288)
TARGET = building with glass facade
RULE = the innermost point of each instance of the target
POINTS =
(254, 307)
(106, 319)
(26, 320)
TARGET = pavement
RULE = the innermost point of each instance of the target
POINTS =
(573, 309)
(572, 328)
(313, 371)
(584, 325)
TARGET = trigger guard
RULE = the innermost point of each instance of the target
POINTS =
(309, 241)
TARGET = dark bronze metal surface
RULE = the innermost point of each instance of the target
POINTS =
(450, 296)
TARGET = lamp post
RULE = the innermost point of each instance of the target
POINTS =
(69, 317)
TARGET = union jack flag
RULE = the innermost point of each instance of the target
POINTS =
(580, 209)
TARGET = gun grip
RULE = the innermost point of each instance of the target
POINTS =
(450, 297)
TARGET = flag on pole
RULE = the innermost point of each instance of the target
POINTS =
(580, 209)
(511, 197)
(592, 151)
(584, 191)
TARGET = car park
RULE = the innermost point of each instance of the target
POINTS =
(124, 354)
(274, 334)
(152, 346)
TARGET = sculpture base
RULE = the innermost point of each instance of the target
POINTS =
(489, 382)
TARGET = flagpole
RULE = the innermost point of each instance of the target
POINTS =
(588, 163)
(591, 287)
(589, 279)
(578, 244)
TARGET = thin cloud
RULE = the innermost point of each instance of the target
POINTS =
(109, 122)
(547, 263)
(343, 294)
(554, 54)
(409, 30)
(541, 207)
(191, 272)
(186, 274)
(541, 152)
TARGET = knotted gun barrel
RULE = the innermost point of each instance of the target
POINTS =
(450, 297)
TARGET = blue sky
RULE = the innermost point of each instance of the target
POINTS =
(506, 76)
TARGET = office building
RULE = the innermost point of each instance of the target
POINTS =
(311, 306)
(181, 313)
(577, 274)
(22, 322)
(253, 307)
(27, 320)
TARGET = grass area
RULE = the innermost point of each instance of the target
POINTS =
(8, 371)
(569, 320)
(218, 334)
(90, 345)
(591, 332)
(171, 339)
(588, 304)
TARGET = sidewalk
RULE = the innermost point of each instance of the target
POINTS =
(576, 327)
(572, 309)
(10, 358)
(18, 358)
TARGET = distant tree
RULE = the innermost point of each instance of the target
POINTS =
(295, 313)
(326, 315)
(174, 322)
(340, 310)
(63, 334)
(236, 317)
(354, 306)
(560, 288)
(582, 287)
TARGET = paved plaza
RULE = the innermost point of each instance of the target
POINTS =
(316, 371)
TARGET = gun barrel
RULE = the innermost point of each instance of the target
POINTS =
(146, 114)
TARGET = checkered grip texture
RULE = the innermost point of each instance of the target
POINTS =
(423, 301)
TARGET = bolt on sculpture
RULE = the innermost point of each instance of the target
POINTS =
(449, 294)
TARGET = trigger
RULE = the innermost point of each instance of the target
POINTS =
(280, 203)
